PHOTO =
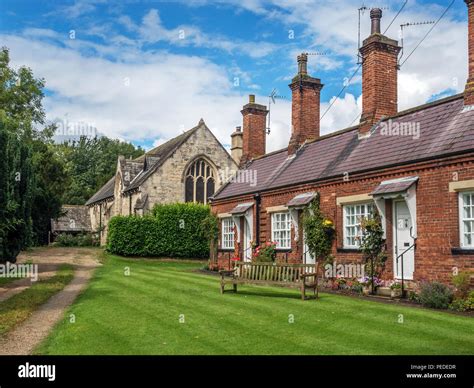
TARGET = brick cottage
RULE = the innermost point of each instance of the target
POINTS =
(415, 167)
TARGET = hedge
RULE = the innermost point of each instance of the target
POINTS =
(170, 231)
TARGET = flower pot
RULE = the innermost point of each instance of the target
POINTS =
(396, 293)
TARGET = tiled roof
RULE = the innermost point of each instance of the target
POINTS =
(140, 168)
(241, 208)
(445, 127)
(105, 192)
(301, 199)
(75, 219)
(157, 156)
(394, 186)
(141, 202)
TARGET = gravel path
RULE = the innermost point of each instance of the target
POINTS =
(25, 337)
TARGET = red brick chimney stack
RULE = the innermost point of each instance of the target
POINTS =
(469, 91)
(254, 130)
(305, 106)
(379, 75)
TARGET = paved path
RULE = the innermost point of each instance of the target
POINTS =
(25, 337)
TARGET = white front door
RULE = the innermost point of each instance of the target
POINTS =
(403, 241)
(308, 258)
(247, 251)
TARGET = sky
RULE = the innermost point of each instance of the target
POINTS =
(144, 71)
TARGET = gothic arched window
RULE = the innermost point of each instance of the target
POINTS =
(199, 182)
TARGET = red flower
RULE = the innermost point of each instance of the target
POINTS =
(235, 259)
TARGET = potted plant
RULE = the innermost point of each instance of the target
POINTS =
(396, 290)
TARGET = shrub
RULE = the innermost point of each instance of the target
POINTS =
(80, 240)
(462, 283)
(319, 232)
(265, 253)
(435, 295)
(171, 231)
(466, 304)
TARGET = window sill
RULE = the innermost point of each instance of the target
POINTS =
(283, 250)
(462, 251)
(349, 250)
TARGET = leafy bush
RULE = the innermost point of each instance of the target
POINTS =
(171, 231)
(462, 282)
(319, 232)
(265, 253)
(435, 295)
(466, 304)
(80, 240)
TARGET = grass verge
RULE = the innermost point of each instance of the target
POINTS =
(19, 307)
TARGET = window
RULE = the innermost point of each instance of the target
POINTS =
(199, 182)
(353, 215)
(281, 230)
(227, 233)
(466, 215)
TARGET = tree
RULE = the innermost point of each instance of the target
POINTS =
(42, 175)
(90, 163)
(15, 190)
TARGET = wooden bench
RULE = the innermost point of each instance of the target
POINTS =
(302, 276)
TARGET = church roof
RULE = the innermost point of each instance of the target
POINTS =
(142, 167)
(104, 193)
(75, 218)
(157, 156)
(445, 127)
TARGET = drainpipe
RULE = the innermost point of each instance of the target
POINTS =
(258, 201)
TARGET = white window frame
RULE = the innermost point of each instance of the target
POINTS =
(463, 220)
(281, 230)
(228, 233)
(368, 208)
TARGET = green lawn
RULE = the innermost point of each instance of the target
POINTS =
(140, 314)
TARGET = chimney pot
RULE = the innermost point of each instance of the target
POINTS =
(254, 130)
(469, 89)
(379, 76)
(375, 16)
(303, 63)
(305, 106)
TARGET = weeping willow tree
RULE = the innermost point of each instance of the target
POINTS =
(15, 190)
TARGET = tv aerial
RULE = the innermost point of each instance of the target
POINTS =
(405, 25)
(272, 100)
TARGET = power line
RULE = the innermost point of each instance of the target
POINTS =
(429, 32)
(360, 65)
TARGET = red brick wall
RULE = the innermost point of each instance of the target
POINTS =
(254, 131)
(469, 93)
(305, 111)
(437, 215)
(379, 82)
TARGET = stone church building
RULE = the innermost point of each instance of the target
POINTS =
(187, 168)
